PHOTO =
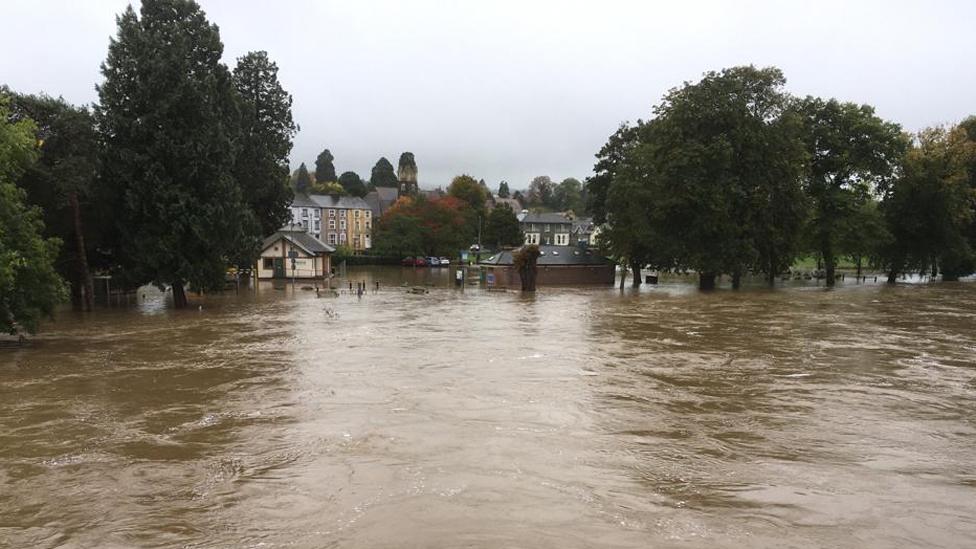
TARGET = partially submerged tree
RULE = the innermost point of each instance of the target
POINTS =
(169, 118)
(929, 207)
(261, 167)
(30, 288)
(62, 183)
(525, 261)
(852, 152)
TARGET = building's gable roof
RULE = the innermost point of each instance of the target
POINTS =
(303, 201)
(296, 235)
(548, 217)
(342, 202)
(553, 256)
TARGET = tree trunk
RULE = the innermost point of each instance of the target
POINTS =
(859, 267)
(635, 273)
(706, 281)
(84, 280)
(771, 273)
(179, 296)
(829, 262)
(736, 280)
(623, 274)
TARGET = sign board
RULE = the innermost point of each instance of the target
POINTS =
(293, 254)
(464, 256)
(490, 279)
(459, 275)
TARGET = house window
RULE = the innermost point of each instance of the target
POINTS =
(268, 263)
(562, 239)
(367, 225)
(548, 227)
(342, 238)
(318, 213)
(318, 225)
(357, 225)
(304, 212)
(332, 224)
(342, 224)
(331, 213)
(342, 213)
(368, 213)
(356, 213)
(332, 238)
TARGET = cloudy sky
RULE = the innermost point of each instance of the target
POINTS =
(511, 90)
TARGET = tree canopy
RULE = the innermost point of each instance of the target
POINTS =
(503, 191)
(30, 288)
(416, 225)
(852, 153)
(353, 184)
(502, 227)
(468, 190)
(712, 183)
(303, 181)
(324, 169)
(382, 174)
(261, 167)
(170, 121)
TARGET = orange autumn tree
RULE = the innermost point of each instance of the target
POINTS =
(421, 226)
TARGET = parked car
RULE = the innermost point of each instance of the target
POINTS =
(433, 261)
(407, 261)
(419, 262)
(445, 262)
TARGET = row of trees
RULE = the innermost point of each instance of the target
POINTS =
(416, 225)
(177, 172)
(325, 180)
(733, 175)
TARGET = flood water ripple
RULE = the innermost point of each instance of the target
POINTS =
(574, 418)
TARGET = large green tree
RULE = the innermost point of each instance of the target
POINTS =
(540, 192)
(324, 168)
(169, 119)
(713, 181)
(502, 227)
(468, 190)
(929, 207)
(63, 184)
(261, 170)
(382, 174)
(503, 191)
(30, 288)
(568, 195)
(852, 152)
(353, 184)
(301, 179)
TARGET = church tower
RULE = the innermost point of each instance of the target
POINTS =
(407, 175)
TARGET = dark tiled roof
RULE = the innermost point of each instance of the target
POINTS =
(340, 202)
(296, 235)
(381, 199)
(303, 201)
(553, 255)
(545, 218)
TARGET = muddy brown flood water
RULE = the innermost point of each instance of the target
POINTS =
(575, 418)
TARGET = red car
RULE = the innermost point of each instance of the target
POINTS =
(407, 261)
(420, 262)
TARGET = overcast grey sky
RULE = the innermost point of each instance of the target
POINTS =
(511, 90)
